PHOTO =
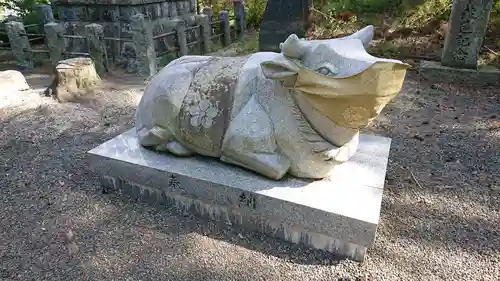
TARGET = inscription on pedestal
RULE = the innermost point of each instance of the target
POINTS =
(247, 200)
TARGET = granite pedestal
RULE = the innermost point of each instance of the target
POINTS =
(339, 215)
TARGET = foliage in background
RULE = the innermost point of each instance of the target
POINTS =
(23, 8)
(411, 13)
(254, 9)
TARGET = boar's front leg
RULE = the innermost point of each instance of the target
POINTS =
(249, 142)
(161, 139)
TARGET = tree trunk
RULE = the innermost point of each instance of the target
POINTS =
(74, 78)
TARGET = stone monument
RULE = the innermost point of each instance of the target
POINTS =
(282, 18)
(286, 127)
(463, 42)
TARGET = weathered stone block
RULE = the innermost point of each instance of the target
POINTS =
(165, 9)
(94, 13)
(55, 41)
(339, 215)
(44, 15)
(20, 45)
(75, 44)
(12, 81)
(172, 10)
(68, 13)
(126, 12)
(111, 14)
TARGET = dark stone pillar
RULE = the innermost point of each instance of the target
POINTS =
(282, 18)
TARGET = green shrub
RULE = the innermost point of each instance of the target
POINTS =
(254, 11)
(363, 6)
(23, 7)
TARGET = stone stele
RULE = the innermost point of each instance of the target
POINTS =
(297, 112)
(282, 18)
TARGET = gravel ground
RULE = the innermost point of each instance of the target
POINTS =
(440, 217)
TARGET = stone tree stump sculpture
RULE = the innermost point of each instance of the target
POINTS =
(73, 79)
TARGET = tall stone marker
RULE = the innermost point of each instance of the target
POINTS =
(467, 27)
(463, 42)
(282, 18)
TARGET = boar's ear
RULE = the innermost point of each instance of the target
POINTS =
(365, 35)
(293, 47)
(280, 69)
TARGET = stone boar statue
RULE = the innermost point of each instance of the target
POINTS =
(298, 111)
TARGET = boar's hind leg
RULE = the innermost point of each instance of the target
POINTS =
(249, 142)
(161, 139)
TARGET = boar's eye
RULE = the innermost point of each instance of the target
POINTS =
(325, 71)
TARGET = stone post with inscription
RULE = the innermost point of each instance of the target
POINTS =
(463, 43)
(282, 18)
(467, 27)
(142, 36)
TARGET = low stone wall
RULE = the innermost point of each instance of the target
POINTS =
(116, 18)
(141, 42)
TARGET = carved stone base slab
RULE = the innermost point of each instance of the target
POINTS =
(435, 72)
(339, 215)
